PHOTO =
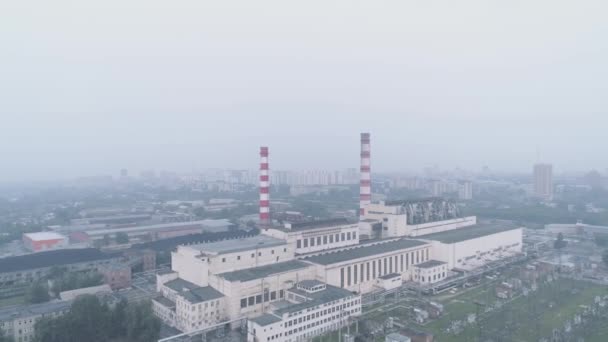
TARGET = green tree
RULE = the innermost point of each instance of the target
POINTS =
(37, 293)
(121, 238)
(559, 243)
(106, 240)
(4, 337)
(142, 325)
(118, 319)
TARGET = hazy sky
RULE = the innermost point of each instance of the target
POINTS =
(89, 87)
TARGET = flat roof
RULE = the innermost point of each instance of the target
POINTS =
(468, 233)
(430, 264)
(192, 292)
(330, 294)
(52, 258)
(12, 312)
(42, 236)
(237, 245)
(173, 225)
(300, 226)
(263, 271)
(266, 319)
(364, 252)
(390, 276)
(165, 302)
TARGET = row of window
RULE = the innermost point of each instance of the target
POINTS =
(434, 278)
(268, 297)
(365, 272)
(323, 321)
(326, 239)
(238, 257)
(318, 314)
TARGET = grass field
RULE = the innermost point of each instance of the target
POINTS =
(523, 319)
(11, 301)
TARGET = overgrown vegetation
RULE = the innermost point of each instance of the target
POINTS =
(93, 321)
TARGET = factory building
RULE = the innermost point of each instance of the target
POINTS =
(472, 247)
(311, 308)
(359, 268)
(414, 218)
(430, 272)
(315, 236)
(44, 241)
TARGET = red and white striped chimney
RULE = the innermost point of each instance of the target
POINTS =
(264, 188)
(365, 195)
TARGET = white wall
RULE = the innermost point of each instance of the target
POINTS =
(456, 254)
(190, 265)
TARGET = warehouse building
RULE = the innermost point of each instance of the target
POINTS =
(44, 241)
(311, 308)
(472, 247)
(31, 267)
(316, 236)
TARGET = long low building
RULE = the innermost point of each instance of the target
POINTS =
(361, 268)
(32, 267)
(472, 247)
(315, 236)
(19, 323)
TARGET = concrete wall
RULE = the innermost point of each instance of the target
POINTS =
(478, 251)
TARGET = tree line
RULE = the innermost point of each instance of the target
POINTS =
(91, 320)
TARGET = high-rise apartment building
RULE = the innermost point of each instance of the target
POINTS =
(543, 181)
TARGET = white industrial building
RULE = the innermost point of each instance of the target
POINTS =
(263, 278)
(414, 218)
(18, 323)
(311, 308)
(359, 268)
(317, 236)
(471, 247)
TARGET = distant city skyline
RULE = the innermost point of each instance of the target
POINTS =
(83, 96)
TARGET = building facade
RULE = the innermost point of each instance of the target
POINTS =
(543, 181)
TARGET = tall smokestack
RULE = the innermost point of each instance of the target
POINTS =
(264, 188)
(365, 195)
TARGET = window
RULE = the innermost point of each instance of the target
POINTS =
(374, 269)
(281, 294)
(238, 257)
(331, 239)
(348, 236)
(312, 242)
(272, 251)
(367, 270)
(348, 275)
(284, 249)
(273, 295)
(342, 277)
(253, 255)
(385, 264)
(401, 263)
(325, 240)
(299, 243)
(305, 243)
(361, 273)
(250, 301)
(318, 241)
(355, 275)
(258, 299)
(343, 236)
(223, 259)
(259, 253)
(354, 235)
(244, 303)
(390, 265)
(266, 296)
(337, 237)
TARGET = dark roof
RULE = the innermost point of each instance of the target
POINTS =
(390, 276)
(330, 294)
(52, 258)
(364, 252)
(430, 264)
(192, 292)
(11, 313)
(310, 283)
(318, 224)
(171, 243)
(468, 233)
(201, 294)
(165, 302)
(265, 319)
(263, 271)
(180, 285)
